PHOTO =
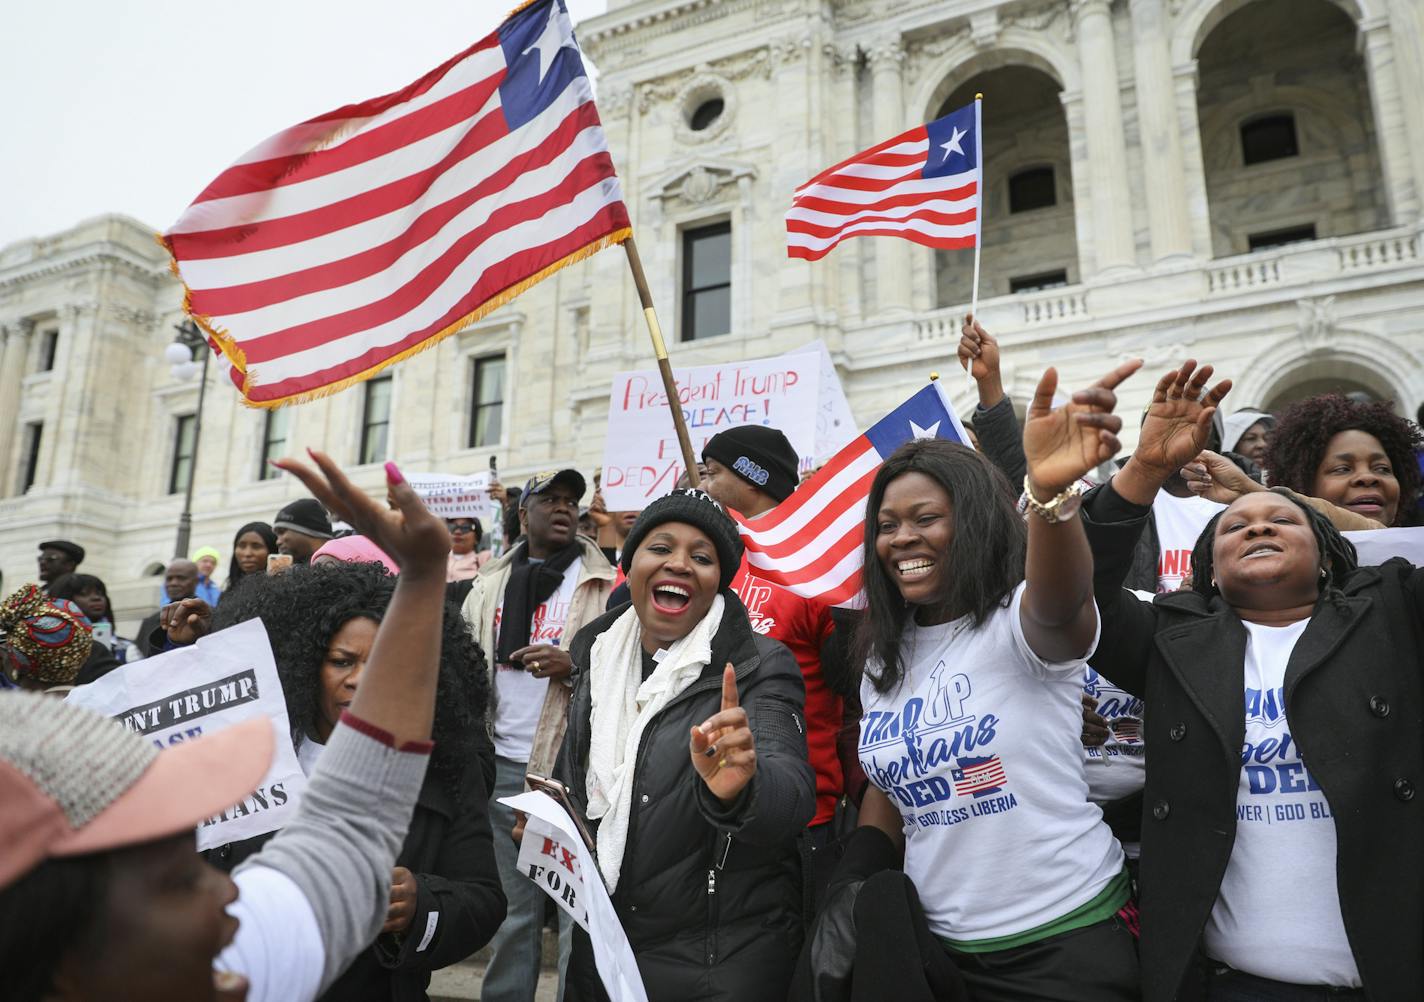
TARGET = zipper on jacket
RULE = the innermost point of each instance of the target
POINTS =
(711, 940)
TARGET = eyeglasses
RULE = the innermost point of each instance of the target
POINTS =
(461, 527)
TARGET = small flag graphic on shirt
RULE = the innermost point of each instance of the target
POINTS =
(357, 238)
(922, 185)
(811, 543)
(978, 776)
(1128, 730)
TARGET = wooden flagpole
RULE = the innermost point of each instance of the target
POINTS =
(645, 296)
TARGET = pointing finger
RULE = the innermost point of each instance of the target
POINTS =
(729, 688)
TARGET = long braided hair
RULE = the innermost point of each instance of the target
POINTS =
(1337, 554)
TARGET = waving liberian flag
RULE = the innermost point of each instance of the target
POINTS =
(811, 542)
(362, 236)
(922, 185)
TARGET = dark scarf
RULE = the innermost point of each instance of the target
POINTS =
(529, 587)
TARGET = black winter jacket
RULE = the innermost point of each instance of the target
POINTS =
(451, 853)
(710, 897)
(1354, 697)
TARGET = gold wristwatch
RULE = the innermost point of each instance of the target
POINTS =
(1059, 509)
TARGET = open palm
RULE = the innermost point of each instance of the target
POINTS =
(1179, 419)
(1062, 444)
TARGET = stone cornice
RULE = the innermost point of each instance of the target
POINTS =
(80, 259)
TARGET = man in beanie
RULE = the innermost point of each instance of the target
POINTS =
(301, 528)
(57, 558)
(751, 469)
(523, 609)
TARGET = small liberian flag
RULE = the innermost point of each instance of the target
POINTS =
(812, 542)
(357, 238)
(978, 776)
(922, 185)
(1128, 730)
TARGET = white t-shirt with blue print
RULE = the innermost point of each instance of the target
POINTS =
(979, 748)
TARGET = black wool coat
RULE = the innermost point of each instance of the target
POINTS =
(710, 897)
(1354, 697)
(450, 851)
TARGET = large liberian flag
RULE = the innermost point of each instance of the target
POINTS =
(812, 542)
(362, 236)
(922, 185)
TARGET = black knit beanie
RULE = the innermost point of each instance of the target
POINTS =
(762, 456)
(694, 507)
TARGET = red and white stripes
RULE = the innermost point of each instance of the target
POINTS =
(881, 192)
(349, 241)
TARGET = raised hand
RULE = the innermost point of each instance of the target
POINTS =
(1179, 419)
(1217, 478)
(186, 621)
(415, 539)
(1063, 444)
(979, 353)
(722, 748)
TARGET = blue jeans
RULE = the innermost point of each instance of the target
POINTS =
(513, 971)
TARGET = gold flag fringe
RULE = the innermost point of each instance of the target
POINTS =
(234, 353)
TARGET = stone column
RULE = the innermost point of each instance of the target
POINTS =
(1160, 129)
(892, 254)
(842, 124)
(1184, 79)
(1377, 45)
(1406, 23)
(15, 342)
(1107, 151)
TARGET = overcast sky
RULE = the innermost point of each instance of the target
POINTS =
(133, 106)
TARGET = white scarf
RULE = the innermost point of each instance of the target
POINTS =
(623, 703)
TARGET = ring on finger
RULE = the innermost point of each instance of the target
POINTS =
(534, 665)
(721, 763)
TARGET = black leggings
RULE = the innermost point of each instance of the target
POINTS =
(1097, 963)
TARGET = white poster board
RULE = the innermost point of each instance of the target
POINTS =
(553, 855)
(798, 393)
(224, 679)
(1375, 546)
(450, 496)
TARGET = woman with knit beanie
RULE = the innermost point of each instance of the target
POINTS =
(686, 753)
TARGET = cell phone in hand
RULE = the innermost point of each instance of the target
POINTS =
(104, 633)
(278, 562)
(560, 793)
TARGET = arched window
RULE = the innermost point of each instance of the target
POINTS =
(1032, 189)
(1270, 137)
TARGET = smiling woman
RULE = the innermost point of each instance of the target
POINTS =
(1239, 829)
(677, 698)
(976, 634)
(1357, 455)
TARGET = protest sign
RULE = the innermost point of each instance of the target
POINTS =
(554, 856)
(1375, 546)
(798, 394)
(453, 496)
(224, 679)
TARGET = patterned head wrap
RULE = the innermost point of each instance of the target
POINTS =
(45, 640)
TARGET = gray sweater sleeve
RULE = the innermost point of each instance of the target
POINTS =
(351, 824)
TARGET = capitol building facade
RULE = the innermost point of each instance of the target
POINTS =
(1238, 181)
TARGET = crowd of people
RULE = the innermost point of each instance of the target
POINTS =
(1099, 729)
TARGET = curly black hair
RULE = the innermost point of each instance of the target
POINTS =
(1298, 443)
(305, 607)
